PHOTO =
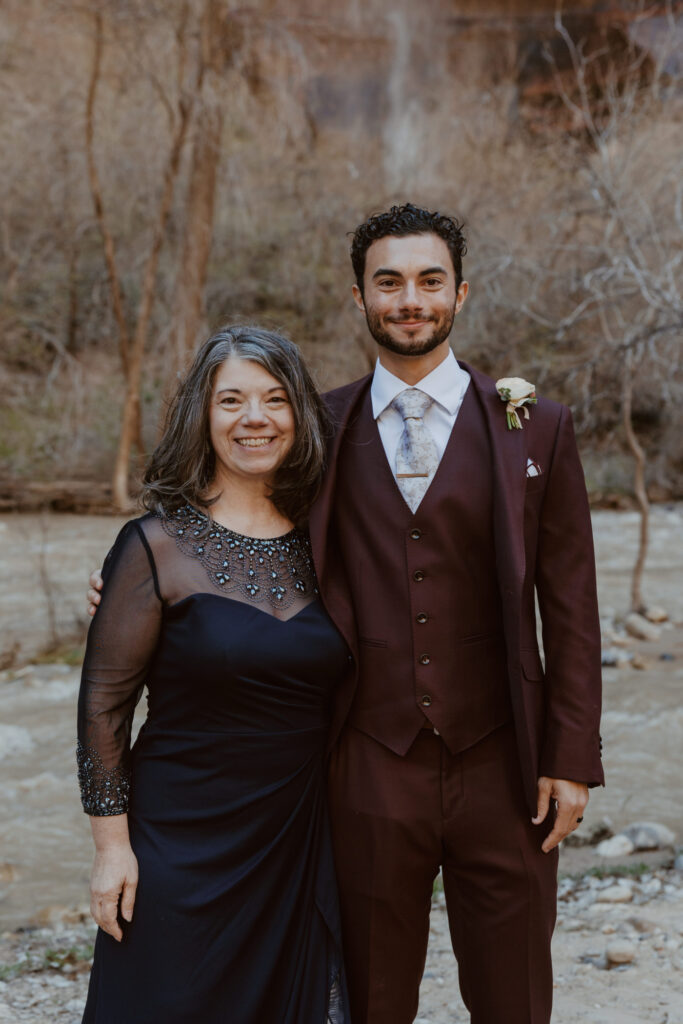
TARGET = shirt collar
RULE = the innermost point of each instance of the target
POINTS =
(446, 384)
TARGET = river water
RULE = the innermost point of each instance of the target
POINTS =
(45, 848)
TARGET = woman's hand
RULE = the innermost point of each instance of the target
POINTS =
(93, 596)
(114, 876)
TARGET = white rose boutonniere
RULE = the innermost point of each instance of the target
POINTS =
(517, 393)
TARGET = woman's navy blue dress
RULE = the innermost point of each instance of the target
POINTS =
(236, 918)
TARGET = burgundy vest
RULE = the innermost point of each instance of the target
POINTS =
(424, 588)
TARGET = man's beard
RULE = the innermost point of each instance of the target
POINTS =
(413, 347)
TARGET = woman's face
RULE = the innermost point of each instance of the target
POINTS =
(251, 421)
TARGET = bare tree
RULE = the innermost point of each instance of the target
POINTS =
(607, 289)
(132, 344)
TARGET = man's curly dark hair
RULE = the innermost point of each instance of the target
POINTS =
(408, 220)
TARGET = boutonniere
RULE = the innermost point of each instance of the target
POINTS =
(518, 393)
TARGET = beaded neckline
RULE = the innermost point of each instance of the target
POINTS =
(219, 528)
(272, 570)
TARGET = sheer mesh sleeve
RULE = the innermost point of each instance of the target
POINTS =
(121, 642)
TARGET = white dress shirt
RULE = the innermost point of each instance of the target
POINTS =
(446, 384)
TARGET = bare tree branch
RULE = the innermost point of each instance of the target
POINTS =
(98, 203)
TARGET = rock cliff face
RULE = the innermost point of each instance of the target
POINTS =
(388, 72)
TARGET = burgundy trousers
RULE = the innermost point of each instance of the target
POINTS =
(395, 821)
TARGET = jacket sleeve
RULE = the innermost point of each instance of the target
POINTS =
(567, 596)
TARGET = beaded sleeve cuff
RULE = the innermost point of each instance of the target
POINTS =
(104, 791)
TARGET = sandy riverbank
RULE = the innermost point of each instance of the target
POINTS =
(45, 846)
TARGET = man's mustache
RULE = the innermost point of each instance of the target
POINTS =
(409, 319)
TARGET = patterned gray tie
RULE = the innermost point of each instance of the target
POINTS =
(416, 456)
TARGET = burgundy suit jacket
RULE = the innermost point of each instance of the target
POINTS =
(543, 540)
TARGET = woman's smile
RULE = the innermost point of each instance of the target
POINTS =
(254, 442)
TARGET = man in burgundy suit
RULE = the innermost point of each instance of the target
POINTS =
(454, 746)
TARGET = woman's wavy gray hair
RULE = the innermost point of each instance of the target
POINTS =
(182, 466)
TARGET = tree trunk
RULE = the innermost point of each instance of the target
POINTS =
(130, 424)
(199, 214)
(130, 427)
(201, 195)
(639, 489)
(96, 192)
(72, 314)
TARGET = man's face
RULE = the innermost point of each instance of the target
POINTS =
(410, 297)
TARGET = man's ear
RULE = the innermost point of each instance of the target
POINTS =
(461, 295)
(358, 297)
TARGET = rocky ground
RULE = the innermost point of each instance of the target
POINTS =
(618, 954)
(618, 946)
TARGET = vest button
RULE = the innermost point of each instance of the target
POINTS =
(418, 575)
(416, 534)
(421, 618)
(424, 659)
(426, 700)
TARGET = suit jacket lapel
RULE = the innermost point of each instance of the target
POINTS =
(509, 449)
(509, 470)
(342, 404)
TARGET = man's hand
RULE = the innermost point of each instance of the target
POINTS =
(94, 596)
(570, 800)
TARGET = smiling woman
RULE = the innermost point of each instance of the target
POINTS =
(213, 868)
(243, 383)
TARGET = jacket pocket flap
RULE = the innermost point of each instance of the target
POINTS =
(531, 665)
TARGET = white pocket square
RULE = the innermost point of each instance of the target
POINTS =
(533, 468)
